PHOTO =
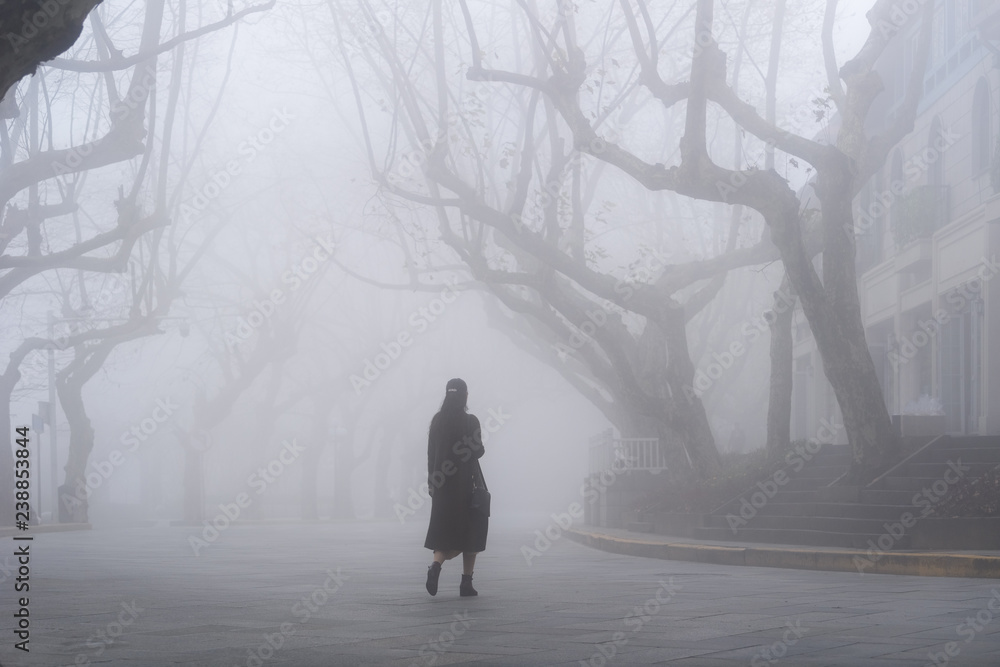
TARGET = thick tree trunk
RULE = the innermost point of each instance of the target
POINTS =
(832, 307)
(689, 419)
(666, 372)
(849, 368)
(73, 494)
(89, 359)
(779, 405)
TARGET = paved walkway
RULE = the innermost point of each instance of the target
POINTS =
(352, 594)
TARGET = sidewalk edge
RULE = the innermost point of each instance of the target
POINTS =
(924, 564)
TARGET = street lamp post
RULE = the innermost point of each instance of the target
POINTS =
(53, 433)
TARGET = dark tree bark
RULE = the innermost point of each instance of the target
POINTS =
(35, 32)
(88, 359)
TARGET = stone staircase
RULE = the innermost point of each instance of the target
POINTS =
(806, 510)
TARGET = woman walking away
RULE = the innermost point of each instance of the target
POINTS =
(454, 446)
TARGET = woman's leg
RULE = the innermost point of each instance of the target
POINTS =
(442, 556)
(468, 562)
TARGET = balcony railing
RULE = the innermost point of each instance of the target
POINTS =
(919, 214)
(620, 455)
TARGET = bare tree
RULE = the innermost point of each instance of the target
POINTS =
(40, 185)
(624, 336)
(561, 76)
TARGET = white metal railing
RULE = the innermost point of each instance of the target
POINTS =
(621, 454)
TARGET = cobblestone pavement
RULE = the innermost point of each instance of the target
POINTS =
(330, 594)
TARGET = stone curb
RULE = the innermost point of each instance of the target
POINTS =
(10, 531)
(925, 564)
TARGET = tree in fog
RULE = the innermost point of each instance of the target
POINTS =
(529, 213)
(61, 228)
(560, 94)
(830, 298)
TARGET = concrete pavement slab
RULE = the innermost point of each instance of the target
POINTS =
(352, 594)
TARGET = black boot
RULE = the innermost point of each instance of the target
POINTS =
(466, 589)
(432, 577)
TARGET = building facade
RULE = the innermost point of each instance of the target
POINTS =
(927, 227)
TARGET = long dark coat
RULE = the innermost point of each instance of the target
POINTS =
(451, 463)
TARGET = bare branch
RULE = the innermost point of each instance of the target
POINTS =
(120, 63)
(830, 58)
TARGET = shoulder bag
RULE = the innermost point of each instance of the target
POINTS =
(480, 502)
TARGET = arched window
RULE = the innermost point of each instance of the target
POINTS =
(981, 145)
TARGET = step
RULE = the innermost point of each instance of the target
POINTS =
(990, 441)
(938, 470)
(799, 537)
(804, 484)
(827, 472)
(967, 454)
(840, 457)
(807, 523)
(783, 496)
(845, 510)
(794, 496)
(885, 497)
(911, 484)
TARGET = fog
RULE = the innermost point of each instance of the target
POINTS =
(714, 274)
(302, 276)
